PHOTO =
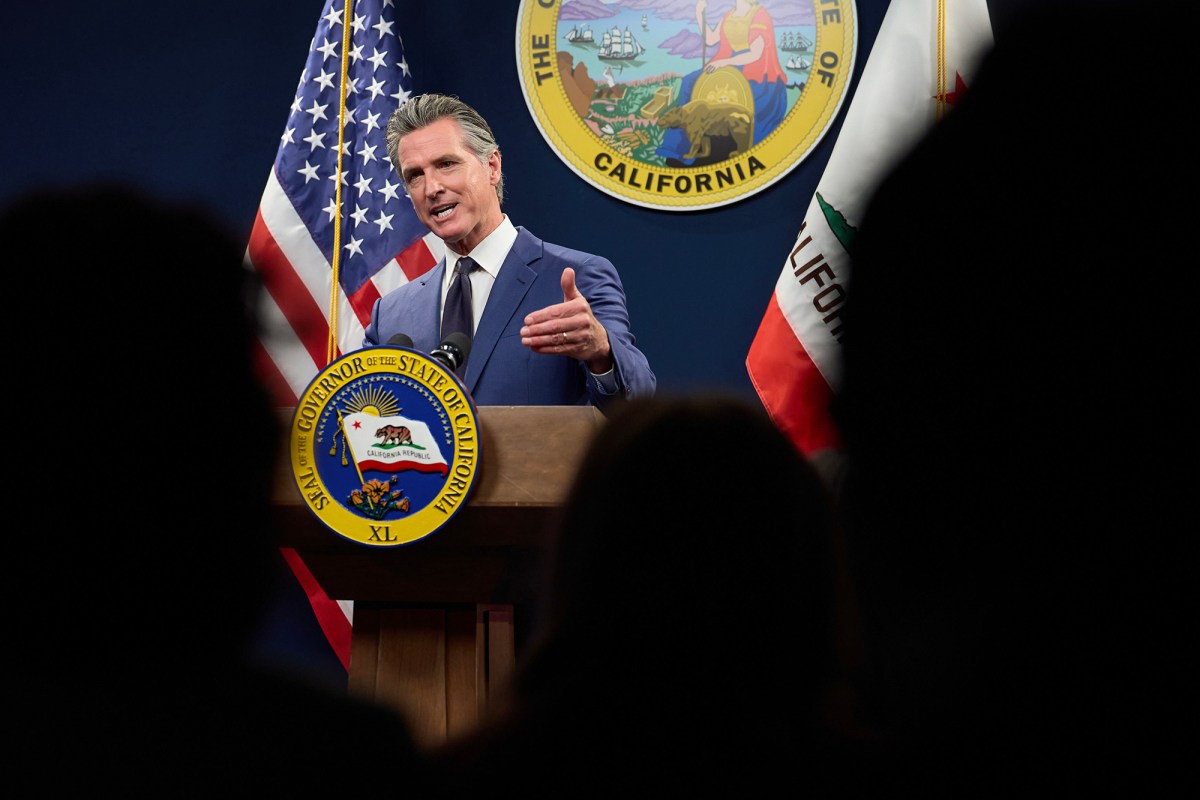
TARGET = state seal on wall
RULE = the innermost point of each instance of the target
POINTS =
(685, 105)
(384, 446)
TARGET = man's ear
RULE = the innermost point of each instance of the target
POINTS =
(494, 166)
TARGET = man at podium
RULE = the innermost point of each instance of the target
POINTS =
(546, 324)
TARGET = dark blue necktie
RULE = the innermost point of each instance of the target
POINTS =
(457, 315)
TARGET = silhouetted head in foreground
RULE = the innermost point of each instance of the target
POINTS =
(150, 444)
(686, 636)
(1019, 418)
(145, 454)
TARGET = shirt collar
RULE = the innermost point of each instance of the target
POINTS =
(491, 252)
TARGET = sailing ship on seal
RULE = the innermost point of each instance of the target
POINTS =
(794, 42)
(580, 34)
(619, 46)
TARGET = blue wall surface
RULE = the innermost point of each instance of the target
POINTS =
(190, 100)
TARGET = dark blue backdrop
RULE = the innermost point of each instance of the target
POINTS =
(191, 99)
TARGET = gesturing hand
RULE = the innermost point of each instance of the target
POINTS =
(569, 329)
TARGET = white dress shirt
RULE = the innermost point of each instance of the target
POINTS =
(489, 255)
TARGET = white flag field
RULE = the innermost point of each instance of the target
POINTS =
(393, 444)
(923, 58)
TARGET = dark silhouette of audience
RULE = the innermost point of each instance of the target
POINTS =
(1019, 413)
(145, 449)
(1017, 504)
(685, 636)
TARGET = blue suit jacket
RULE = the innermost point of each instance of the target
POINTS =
(500, 370)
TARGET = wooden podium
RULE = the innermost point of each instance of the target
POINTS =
(433, 632)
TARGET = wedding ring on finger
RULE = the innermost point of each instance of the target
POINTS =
(563, 334)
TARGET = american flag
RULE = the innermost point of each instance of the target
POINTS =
(301, 237)
(334, 206)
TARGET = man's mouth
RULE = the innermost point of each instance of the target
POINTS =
(441, 212)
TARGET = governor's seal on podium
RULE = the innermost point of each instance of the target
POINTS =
(384, 446)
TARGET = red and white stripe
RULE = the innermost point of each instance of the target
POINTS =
(294, 312)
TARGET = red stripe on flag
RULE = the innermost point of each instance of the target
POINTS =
(288, 291)
(792, 389)
(329, 614)
(363, 301)
(416, 260)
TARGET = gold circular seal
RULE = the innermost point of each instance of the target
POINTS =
(683, 107)
(384, 446)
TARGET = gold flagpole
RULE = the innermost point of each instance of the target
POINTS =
(335, 262)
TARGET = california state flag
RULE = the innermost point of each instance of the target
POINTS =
(392, 444)
(923, 58)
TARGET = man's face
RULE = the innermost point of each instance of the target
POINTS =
(452, 192)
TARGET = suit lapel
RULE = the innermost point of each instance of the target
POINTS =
(425, 308)
(512, 284)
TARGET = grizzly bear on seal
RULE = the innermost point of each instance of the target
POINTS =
(701, 120)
